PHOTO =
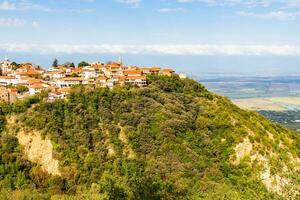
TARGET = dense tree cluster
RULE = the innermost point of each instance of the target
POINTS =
(158, 142)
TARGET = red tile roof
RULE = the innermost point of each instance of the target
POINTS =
(71, 79)
(151, 68)
(133, 77)
(132, 71)
(167, 70)
(7, 77)
(102, 78)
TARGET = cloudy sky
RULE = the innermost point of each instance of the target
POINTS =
(197, 36)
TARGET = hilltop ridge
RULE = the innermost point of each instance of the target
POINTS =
(170, 140)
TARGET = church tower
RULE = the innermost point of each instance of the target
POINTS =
(5, 65)
(120, 60)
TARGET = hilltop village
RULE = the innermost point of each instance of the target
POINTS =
(20, 80)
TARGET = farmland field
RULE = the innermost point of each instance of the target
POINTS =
(277, 98)
(270, 104)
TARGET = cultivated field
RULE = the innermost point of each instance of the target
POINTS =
(269, 104)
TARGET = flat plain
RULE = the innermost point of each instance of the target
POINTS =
(269, 104)
(275, 97)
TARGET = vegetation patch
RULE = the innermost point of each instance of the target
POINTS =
(170, 140)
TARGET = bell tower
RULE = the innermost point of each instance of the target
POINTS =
(120, 60)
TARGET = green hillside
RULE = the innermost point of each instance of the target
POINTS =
(170, 140)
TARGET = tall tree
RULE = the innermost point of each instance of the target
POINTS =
(55, 63)
(15, 65)
(83, 64)
(72, 65)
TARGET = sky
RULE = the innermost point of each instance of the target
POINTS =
(192, 36)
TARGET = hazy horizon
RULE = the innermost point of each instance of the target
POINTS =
(192, 65)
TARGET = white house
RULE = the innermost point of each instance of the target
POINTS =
(54, 74)
(89, 73)
(52, 96)
(102, 81)
(5, 66)
(37, 88)
(134, 80)
(69, 81)
(8, 80)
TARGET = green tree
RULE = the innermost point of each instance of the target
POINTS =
(22, 88)
(55, 63)
(83, 64)
(72, 65)
(74, 75)
(15, 65)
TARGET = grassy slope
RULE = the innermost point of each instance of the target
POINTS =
(171, 140)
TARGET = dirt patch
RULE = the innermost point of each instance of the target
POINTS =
(273, 183)
(39, 151)
(241, 150)
(127, 150)
(110, 148)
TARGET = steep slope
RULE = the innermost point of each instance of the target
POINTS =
(36, 149)
(170, 140)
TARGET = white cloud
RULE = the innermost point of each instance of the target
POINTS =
(27, 6)
(196, 50)
(248, 3)
(35, 24)
(279, 15)
(134, 3)
(170, 9)
(12, 22)
(6, 5)
(23, 6)
(17, 23)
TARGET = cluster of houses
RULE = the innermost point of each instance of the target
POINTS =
(58, 80)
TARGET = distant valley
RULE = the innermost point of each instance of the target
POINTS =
(276, 97)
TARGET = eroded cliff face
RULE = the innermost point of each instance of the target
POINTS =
(36, 149)
(277, 182)
(39, 151)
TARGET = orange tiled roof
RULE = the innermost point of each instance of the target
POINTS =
(71, 79)
(77, 70)
(39, 86)
(133, 77)
(7, 77)
(102, 78)
(33, 81)
(151, 68)
(29, 72)
(25, 66)
(132, 71)
(113, 65)
(88, 70)
(54, 72)
(96, 66)
(167, 70)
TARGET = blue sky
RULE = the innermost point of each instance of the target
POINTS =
(198, 36)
